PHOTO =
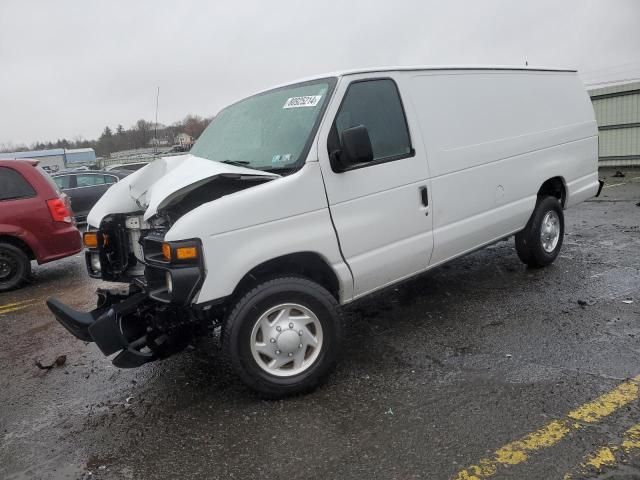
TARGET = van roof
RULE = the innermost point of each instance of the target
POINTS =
(448, 67)
(342, 73)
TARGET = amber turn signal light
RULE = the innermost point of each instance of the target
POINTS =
(179, 253)
(186, 253)
(166, 251)
(90, 239)
(93, 239)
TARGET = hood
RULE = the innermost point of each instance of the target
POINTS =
(162, 181)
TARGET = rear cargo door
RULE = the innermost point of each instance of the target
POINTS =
(380, 209)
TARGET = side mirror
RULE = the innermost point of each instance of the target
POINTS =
(357, 144)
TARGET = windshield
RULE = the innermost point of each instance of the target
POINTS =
(269, 131)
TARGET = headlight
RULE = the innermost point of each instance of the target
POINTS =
(169, 282)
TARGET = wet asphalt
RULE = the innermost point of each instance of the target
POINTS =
(436, 374)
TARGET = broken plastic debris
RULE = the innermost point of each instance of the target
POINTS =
(508, 355)
(58, 362)
(628, 302)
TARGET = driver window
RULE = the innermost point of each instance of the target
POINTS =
(375, 104)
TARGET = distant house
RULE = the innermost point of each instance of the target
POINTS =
(158, 142)
(183, 140)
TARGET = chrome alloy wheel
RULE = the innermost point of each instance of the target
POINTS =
(550, 231)
(286, 340)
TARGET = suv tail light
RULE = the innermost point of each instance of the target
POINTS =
(59, 210)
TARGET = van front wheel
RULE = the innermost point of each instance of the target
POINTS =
(539, 243)
(282, 337)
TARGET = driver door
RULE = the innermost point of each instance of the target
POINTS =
(380, 208)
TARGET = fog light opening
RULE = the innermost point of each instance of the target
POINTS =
(169, 282)
(95, 262)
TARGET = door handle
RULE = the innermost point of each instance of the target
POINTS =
(424, 196)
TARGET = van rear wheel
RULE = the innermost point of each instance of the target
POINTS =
(282, 337)
(15, 267)
(539, 243)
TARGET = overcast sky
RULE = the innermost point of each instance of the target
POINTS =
(68, 68)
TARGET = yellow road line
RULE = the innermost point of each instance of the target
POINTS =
(614, 185)
(518, 451)
(608, 456)
(603, 457)
(608, 403)
(15, 303)
(13, 309)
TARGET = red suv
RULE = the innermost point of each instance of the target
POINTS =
(36, 221)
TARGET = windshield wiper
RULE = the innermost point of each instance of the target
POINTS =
(237, 163)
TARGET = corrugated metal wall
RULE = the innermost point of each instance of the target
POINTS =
(620, 142)
(617, 111)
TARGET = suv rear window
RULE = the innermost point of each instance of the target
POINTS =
(13, 185)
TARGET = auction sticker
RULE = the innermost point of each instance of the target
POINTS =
(306, 101)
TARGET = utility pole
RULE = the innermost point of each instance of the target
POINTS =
(155, 151)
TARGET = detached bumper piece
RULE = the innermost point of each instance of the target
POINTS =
(122, 323)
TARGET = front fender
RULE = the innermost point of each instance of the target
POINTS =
(229, 256)
(244, 229)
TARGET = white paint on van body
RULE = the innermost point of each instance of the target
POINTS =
(485, 141)
(513, 129)
(242, 230)
(377, 210)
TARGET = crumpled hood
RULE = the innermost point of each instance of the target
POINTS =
(156, 185)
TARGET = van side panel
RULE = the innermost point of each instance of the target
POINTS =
(492, 139)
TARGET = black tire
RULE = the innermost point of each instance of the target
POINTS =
(529, 243)
(15, 267)
(239, 324)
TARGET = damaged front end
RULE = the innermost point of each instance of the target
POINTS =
(151, 318)
(128, 322)
(154, 315)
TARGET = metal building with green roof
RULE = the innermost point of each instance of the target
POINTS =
(617, 110)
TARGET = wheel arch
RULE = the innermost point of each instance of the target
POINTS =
(309, 265)
(18, 243)
(555, 186)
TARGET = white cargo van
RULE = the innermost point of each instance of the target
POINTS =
(308, 196)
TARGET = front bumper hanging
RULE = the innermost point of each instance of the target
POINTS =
(116, 325)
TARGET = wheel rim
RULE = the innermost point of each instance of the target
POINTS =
(550, 231)
(286, 340)
(7, 267)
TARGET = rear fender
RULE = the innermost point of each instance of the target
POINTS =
(25, 237)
